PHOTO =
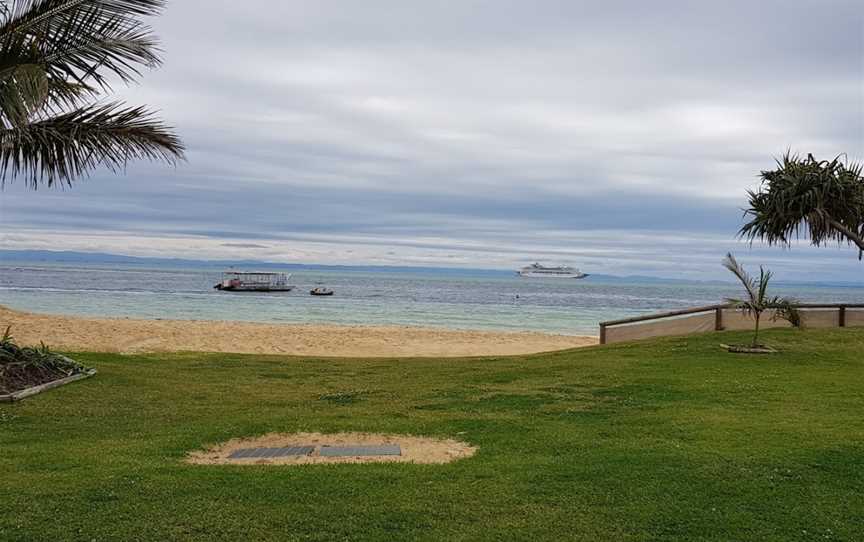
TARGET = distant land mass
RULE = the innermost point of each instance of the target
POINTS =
(73, 257)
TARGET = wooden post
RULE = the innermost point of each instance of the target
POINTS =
(842, 315)
(602, 333)
(718, 319)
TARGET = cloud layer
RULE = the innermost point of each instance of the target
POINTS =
(619, 136)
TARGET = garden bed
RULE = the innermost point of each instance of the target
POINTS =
(26, 371)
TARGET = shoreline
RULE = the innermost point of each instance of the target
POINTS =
(134, 336)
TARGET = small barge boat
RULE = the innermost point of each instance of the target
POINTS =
(236, 281)
(320, 291)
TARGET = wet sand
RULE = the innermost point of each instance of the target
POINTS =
(126, 335)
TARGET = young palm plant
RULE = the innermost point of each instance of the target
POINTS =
(757, 300)
(57, 58)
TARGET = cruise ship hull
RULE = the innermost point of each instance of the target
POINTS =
(541, 275)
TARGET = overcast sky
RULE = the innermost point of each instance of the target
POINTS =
(619, 137)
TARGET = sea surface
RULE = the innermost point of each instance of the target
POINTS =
(496, 301)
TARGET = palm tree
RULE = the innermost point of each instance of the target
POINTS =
(57, 57)
(757, 300)
(825, 197)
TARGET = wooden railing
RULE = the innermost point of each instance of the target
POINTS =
(718, 315)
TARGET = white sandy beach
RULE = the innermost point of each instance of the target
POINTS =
(124, 335)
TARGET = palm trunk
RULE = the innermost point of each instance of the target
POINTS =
(756, 334)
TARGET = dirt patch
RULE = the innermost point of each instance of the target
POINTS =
(414, 449)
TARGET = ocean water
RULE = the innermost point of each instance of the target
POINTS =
(493, 301)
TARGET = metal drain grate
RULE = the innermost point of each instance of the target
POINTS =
(257, 453)
(347, 451)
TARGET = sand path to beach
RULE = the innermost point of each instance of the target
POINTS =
(67, 333)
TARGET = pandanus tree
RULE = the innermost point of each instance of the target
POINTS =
(757, 300)
(823, 198)
(57, 60)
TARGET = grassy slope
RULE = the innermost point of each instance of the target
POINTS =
(669, 440)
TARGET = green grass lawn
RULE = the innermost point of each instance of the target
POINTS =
(665, 440)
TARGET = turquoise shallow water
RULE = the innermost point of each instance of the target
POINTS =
(496, 301)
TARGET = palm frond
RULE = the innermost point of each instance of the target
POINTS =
(743, 305)
(33, 15)
(68, 146)
(785, 309)
(24, 88)
(30, 86)
(91, 45)
(730, 263)
(764, 279)
(84, 39)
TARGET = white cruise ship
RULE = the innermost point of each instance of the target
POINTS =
(536, 270)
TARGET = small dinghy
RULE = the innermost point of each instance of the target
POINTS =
(321, 291)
